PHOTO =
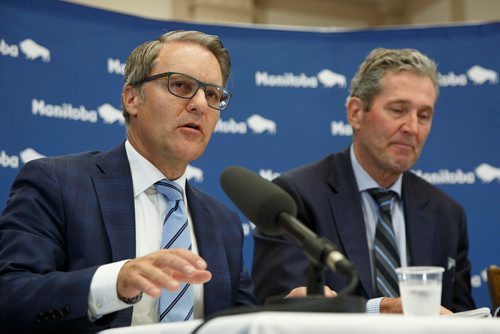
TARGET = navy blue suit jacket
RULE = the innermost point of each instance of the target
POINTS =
(68, 215)
(329, 203)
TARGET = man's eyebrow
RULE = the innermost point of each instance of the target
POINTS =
(398, 101)
(405, 101)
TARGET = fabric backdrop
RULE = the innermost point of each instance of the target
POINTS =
(61, 74)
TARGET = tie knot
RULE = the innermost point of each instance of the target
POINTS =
(171, 190)
(382, 197)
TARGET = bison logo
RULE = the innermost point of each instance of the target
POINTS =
(487, 173)
(29, 154)
(479, 75)
(33, 50)
(259, 124)
(110, 114)
(194, 173)
(330, 79)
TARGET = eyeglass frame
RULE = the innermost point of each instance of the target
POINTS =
(201, 84)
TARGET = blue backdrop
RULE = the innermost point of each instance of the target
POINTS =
(61, 74)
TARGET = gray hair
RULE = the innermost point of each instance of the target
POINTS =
(366, 84)
(141, 61)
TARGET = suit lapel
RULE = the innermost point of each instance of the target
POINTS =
(420, 225)
(113, 184)
(207, 233)
(345, 202)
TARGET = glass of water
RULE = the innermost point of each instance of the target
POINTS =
(420, 289)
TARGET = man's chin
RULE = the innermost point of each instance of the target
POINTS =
(402, 166)
(192, 153)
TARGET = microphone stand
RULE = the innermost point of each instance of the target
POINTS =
(319, 251)
(315, 280)
(315, 301)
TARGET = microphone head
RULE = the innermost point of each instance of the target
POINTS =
(260, 200)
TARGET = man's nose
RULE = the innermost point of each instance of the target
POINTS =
(411, 123)
(198, 101)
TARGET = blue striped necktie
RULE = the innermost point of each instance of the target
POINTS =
(385, 250)
(175, 305)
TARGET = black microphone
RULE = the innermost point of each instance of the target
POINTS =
(273, 210)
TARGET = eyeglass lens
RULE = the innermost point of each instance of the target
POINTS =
(186, 87)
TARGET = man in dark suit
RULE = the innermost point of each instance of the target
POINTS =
(390, 109)
(80, 236)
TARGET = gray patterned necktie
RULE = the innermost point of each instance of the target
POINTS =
(385, 250)
(175, 305)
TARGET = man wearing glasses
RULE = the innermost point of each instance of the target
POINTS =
(84, 237)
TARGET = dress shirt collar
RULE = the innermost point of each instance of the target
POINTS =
(365, 181)
(144, 173)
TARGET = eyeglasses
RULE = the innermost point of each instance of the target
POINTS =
(185, 87)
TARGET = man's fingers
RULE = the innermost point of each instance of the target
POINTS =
(297, 292)
(184, 266)
(164, 269)
(202, 276)
(180, 260)
(444, 311)
(194, 259)
(140, 275)
(329, 292)
(301, 291)
(147, 286)
(391, 305)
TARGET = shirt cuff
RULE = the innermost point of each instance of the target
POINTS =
(103, 298)
(373, 305)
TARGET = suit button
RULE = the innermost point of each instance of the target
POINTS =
(51, 315)
(65, 311)
(40, 317)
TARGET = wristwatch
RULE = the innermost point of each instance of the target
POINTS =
(131, 301)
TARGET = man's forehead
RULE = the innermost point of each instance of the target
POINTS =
(178, 51)
(189, 58)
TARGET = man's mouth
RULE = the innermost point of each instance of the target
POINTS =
(193, 126)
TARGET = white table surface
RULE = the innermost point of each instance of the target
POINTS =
(307, 322)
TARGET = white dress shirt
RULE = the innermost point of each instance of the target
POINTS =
(150, 210)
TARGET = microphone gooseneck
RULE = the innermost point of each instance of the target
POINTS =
(258, 199)
(274, 212)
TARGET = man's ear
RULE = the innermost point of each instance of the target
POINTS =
(355, 112)
(131, 98)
